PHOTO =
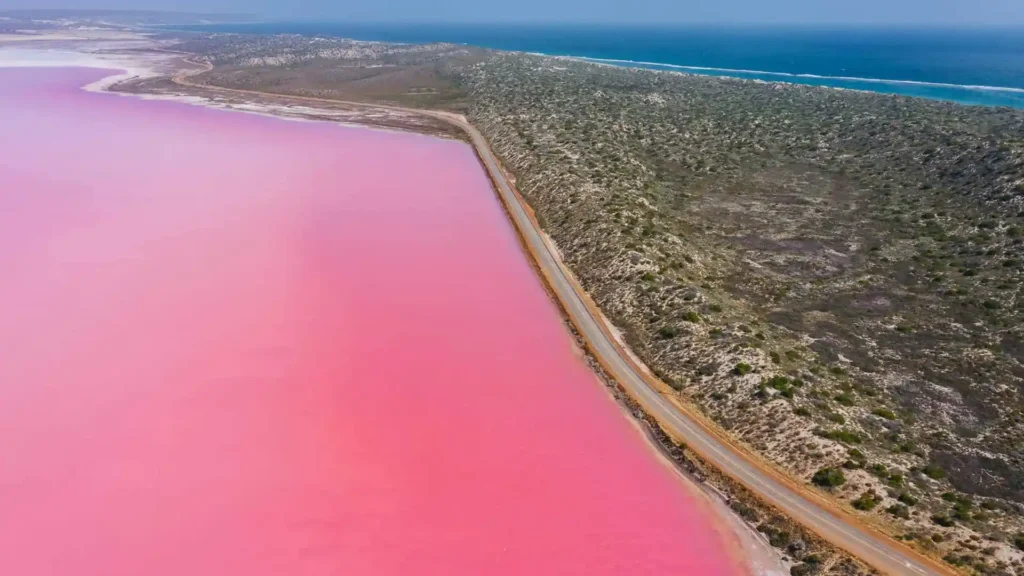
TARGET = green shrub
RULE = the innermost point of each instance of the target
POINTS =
(866, 501)
(899, 511)
(840, 435)
(962, 511)
(829, 478)
(879, 470)
(836, 417)
(802, 411)
(884, 413)
(1018, 540)
(776, 359)
(845, 398)
(777, 537)
(692, 316)
(908, 447)
(943, 520)
(742, 369)
(668, 332)
(744, 511)
(780, 539)
(934, 471)
(907, 499)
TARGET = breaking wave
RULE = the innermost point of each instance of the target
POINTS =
(730, 71)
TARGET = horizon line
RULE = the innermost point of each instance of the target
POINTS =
(613, 24)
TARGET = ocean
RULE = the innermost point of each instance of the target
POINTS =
(970, 66)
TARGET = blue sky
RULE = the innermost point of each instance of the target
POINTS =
(929, 12)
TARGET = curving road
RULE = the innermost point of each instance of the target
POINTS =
(817, 514)
(877, 550)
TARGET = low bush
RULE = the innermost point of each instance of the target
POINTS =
(934, 471)
(879, 470)
(829, 478)
(899, 511)
(943, 520)
(845, 398)
(884, 413)
(668, 332)
(866, 501)
(840, 435)
(742, 369)
(907, 499)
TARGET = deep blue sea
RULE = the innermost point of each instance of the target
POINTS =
(969, 66)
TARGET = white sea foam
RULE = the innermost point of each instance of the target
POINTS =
(807, 76)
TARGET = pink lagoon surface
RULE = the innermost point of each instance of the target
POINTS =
(238, 345)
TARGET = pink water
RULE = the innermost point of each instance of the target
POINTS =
(237, 345)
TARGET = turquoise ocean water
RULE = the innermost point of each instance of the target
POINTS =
(969, 66)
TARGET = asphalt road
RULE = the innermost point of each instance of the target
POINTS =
(879, 551)
(875, 549)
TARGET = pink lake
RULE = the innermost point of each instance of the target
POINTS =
(238, 345)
